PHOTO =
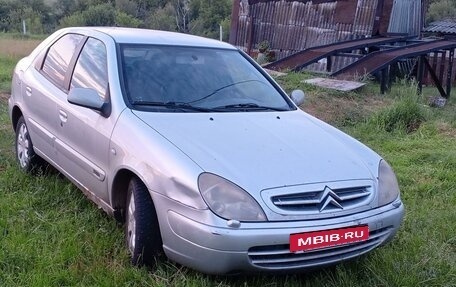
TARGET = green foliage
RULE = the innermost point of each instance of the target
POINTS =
(263, 46)
(32, 19)
(406, 115)
(125, 20)
(208, 15)
(73, 20)
(99, 15)
(6, 69)
(162, 19)
(200, 17)
(442, 9)
(127, 6)
(226, 26)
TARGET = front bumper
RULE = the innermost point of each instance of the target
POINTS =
(264, 246)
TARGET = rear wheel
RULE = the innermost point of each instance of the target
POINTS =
(142, 232)
(27, 158)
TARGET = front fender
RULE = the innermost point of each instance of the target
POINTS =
(156, 161)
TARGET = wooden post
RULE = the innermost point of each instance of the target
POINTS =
(234, 22)
(449, 73)
(250, 35)
(434, 77)
(329, 64)
(420, 73)
(384, 81)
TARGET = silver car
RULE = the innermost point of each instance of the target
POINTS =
(199, 152)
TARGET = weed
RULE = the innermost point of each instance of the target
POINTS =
(406, 114)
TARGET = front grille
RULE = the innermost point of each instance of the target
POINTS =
(324, 200)
(279, 256)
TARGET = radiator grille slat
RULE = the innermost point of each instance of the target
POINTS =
(324, 200)
(279, 256)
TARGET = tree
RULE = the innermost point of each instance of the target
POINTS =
(441, 10)
(33, 12)
(201, 17)
(208, 15)
(129, 7)
(65, 7)
(126, 20)
(99, 15)
(182, 11)
(162, 19)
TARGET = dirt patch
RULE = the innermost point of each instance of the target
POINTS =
(343, 110)
(446, 129)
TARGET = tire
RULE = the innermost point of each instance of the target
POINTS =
(28, 160)
(142, 232)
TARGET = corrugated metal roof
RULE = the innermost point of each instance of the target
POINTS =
(292, 26)
(444, 27)
(406, 17)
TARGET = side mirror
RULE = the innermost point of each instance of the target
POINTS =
(298, 96)
(88, 98)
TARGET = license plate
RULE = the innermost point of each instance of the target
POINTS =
(327, 238)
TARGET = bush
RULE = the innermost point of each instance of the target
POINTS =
(441, 10)
(98, 15)
(125, 20)
(405, 115)
(73, 20)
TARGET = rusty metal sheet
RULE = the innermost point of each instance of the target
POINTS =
(378, 60)
(406, 17)
(290, 26)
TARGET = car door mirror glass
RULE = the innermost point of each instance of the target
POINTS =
(88, 98)
(298, 97)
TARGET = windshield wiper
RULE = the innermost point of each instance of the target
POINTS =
(249, 106)
(222, 88)
(171, 105)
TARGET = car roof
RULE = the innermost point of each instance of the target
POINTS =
(145, 36)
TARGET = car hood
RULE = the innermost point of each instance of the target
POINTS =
(259, 150)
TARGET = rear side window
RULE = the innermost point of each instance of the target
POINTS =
(91, 70)
(59, 57)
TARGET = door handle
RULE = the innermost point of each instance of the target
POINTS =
(98, 175)
(63, 116)
(28, 91)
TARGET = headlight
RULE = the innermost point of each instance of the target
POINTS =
(228, 200)
(388, 188)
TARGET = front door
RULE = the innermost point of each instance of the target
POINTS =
(84, 134)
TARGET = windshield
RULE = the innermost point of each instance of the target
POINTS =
(189, 79)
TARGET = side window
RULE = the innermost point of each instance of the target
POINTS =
(59, 56)
(91, 70)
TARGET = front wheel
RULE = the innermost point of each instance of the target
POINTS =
(27, 158)
(142, 232)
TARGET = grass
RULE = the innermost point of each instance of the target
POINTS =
(51, 235)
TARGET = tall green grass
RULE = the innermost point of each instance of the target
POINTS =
(7, 64)
(406, 114)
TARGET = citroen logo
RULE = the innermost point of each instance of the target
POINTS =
(329, 197)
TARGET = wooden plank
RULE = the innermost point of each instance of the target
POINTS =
(339, 85)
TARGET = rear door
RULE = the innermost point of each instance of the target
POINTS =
(43, 86)
(84, 134)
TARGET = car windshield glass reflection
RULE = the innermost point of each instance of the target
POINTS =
(188, 79)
